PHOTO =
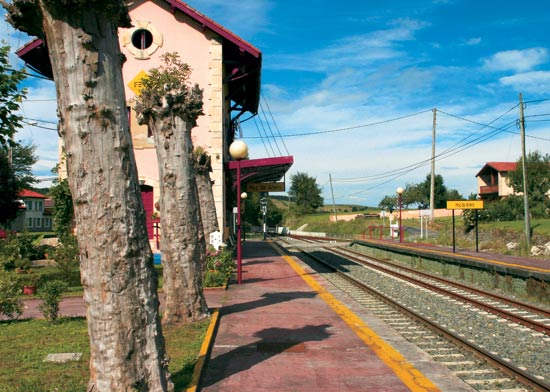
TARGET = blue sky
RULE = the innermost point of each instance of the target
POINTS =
(331, 70)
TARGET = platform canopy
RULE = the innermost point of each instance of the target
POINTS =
(261, 170)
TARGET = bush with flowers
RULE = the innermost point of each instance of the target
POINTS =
(219, 267)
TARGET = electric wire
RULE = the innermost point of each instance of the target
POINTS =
(353, 127)
(263, 132)
(455, 149)
(269, 128)
(274, 122)
(261, 136)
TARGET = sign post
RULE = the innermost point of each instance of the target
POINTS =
(465, 205)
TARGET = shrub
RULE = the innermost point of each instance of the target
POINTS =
(66, 256)
(50, 293)
(17, 251)
(219, 267)
(10, 289)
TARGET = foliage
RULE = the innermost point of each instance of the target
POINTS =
(165, 91)
(62, 208)
(418, 195)
(23, 158)
(66, 256)
(388, 203)
(50, 293)
(538, 176)
(8, 204)
(17, 251)
(219, 267)
(10, 98)
(305, 192)
(10, 289)
(252, 213)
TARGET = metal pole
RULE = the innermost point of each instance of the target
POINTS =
(477, 234)
(333, 202)
(239, 249)
(400, 226)
(453, 230)
(527, 217)
(432, 179)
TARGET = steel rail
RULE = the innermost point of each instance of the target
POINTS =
(538, 326)
(506, 367)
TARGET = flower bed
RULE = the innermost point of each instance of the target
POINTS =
(219, 267)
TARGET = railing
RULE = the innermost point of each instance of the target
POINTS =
(483, 190)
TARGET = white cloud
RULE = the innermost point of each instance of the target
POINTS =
(473, 41)
(352, 51)
(516, 60)
(245, 19)
(536, 81)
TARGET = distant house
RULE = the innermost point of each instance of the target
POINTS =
(491, 180)
(34, 212)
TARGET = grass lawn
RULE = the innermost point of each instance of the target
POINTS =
(25, 344)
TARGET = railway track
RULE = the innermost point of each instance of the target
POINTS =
(347, 270)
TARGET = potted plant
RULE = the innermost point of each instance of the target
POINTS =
(30, 283)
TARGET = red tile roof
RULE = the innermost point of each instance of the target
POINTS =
(500, 167)
(29, 193)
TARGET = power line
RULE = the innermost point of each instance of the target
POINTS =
(351, 128)
(455, 149)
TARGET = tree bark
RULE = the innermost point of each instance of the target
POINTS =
(182, 242)
(120, 285)
(203, 168)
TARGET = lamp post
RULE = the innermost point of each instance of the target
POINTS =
(238, 151)
(244, 195)
(400, 202)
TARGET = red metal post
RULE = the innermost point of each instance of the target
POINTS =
(400, 226)
(239, 249)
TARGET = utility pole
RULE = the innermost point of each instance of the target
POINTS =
(527, 218)
(333, 203)
(432, 179)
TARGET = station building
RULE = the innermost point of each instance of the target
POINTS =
(226, 67)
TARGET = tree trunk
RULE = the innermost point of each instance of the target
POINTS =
(182, 242)
(120, 285)
(206, 196)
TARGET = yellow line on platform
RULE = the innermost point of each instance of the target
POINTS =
(205, 347)
(404, 370)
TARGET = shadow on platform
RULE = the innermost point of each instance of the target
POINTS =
(273, 341)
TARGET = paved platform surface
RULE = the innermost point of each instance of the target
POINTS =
(281, 330)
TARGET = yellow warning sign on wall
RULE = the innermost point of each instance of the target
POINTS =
(137, 82)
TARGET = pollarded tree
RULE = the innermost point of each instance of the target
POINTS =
(170, 107)
(203, 167)
(305, 192)
(120, 288)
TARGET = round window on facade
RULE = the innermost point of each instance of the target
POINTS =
(142, 39)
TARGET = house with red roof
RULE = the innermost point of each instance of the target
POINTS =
(225, 66)
(33, 214)
(491, 180)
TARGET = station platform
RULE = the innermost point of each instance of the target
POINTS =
(526, 267)
(286, 329)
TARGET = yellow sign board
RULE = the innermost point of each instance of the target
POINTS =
(465, 205)
(266, 187)
(136, 83)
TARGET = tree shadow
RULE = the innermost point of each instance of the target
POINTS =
(272, 341)
(266, 300)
